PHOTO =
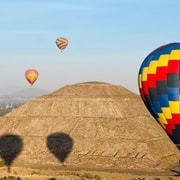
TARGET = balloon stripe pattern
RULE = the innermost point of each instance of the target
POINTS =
(159, 86)
(62, 43)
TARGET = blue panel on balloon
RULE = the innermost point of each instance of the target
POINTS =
(173, 94)
(153, 112)
(158, 53)
(157, 106)
(163, 99)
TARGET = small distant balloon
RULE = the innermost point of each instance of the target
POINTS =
(31, 75)
(62, 43)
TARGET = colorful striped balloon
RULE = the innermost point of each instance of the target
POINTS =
(62, 43)
(159, 86)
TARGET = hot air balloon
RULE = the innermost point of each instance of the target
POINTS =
(31, 75)
(62, 43)
(159, 86)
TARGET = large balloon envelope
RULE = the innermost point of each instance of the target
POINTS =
(31, 75)
(62, 43)
(159, 86)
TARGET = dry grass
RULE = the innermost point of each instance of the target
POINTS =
(26, 173)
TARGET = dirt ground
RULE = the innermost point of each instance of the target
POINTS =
(27, 173)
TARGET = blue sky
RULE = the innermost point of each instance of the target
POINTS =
(108, 39)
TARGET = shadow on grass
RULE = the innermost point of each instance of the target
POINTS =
(60, 145)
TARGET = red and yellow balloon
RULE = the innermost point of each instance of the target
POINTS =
(31, 75)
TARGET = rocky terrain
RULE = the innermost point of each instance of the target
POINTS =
(92, 129)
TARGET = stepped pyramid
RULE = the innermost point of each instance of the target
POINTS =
(90, 124)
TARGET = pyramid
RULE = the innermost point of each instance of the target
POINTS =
(91, 125)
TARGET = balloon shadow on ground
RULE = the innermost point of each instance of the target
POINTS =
(177, 172)
(60, 145)
(10, 147)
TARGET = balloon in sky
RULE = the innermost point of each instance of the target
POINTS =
(62, 43)
(159, 86)
(31, 75)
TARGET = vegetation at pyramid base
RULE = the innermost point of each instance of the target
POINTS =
(4, 110)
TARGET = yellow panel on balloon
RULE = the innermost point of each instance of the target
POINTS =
(139, 81)
(174, 106)
(167, 112)
(152, 67)
(163, 60)
(162, 119)
(144, 74)
(174, 54)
